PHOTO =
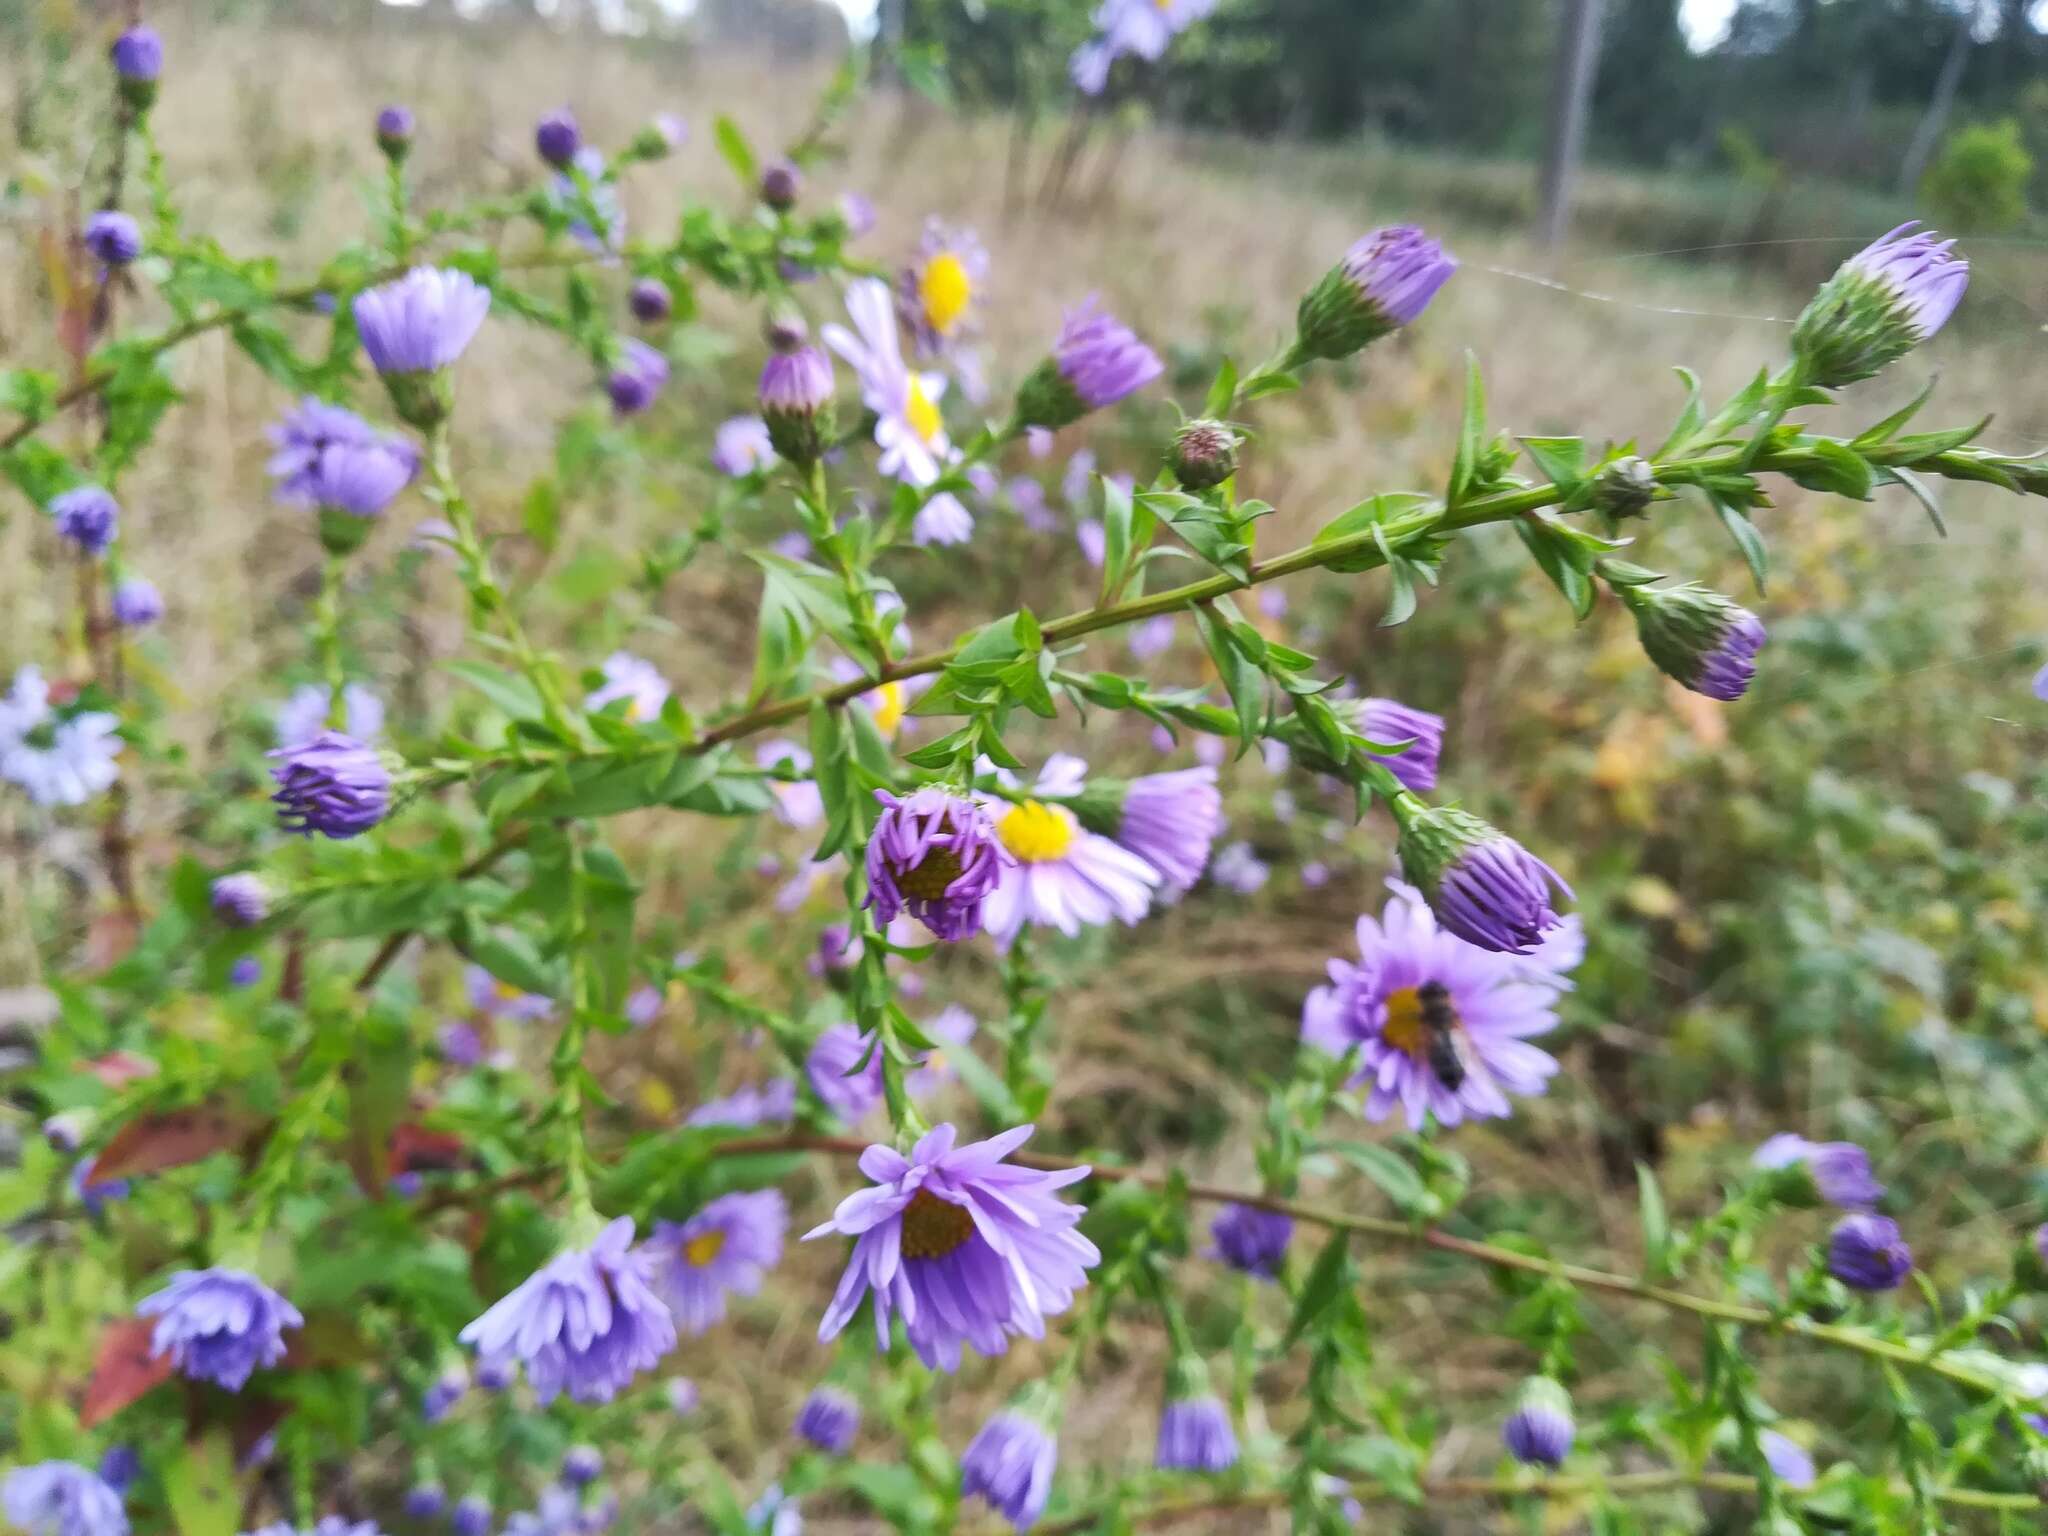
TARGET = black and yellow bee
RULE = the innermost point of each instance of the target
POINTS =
(1443, 1040)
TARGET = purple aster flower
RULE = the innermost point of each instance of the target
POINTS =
(1170, 820)
(634, 680)
(497, 999)
(472, 1516)
(460, 1044)
(1061, 875)
(359, 480)
(1442, 1026)
(585, 1322)
(1195, 1436)
(66, 1132)
(643, 1006)
(113, 238)
(1866, 1253)
(303, 716)
(683, 1396)
(936, 293)
(95, 1194)
(1836, 1171)
(447, 1390)
(950, 1030)
(425, 1501)
(557, 137)
(582, 1465)
(1010, 1463)
(219, 1325)
(1095, 363)
(741, 446)
(61, 1498)
(637, 379)
(829, 1419)
(240, 900)
(1540, 1431)
(137, 603)
(1483, 885)
(301, 441)
(727, 1248)
(120, 1467)
(1697, 637)
(1790, 1464)
(966, 1248)
(406, 1185)
(935, 855)
(245, 972)
(333, 785)
(650, 301)
(88, 517)
(1388, 721)
(774, 1103)
(1884, 301)
(781, 184)
(836, 1053)
(598, 1518)
(496, 1375)
(414, 328)
(857, 213)
(1239, 869)
(1252, 1240)
(1384, 282)
(138, 54)
(395, 127)
(798, 803)
(59, 757)
(1135, 28)
(795, 398)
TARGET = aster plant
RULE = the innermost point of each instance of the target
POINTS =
(451, 1073)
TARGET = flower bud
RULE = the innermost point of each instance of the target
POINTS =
(1625, 487)
(1883, 302)
(780, 184)
(113, 238)
(796, 403)
(784, 329)
(1484, 887)
(138, 56)
(394, 132)
(1384, 282)
(1096, 362)
(1697, 637)
(423, 1501)
(1867, 1253)
(650, 301)
(557, 137)
(240, 900)
(1204, 454)
(1194, 1430)
(1540, 1431)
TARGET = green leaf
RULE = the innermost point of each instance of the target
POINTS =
(1271, 384)
(1747, 539)
(199, 1486)
(541, 513)
(1381, 509)
(1883, 431)
(1690, 419)
(1836, 467)
(1127, 528)
(1241, 676)
(513, 696)
(1562, 560)
(1656, 1224)
(1382, 1460)
(738, 153)
(1395, 1176)
(1471, 435)
(1921, 492)
(1325, 1282)
(1223, 391)
(1562, 460)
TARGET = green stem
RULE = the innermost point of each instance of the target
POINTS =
(485, 592)
(567, 1109)
(327, 638)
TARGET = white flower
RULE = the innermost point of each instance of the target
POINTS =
(908, 428)
(57, 759)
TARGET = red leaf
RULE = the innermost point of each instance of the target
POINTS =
(122, 1371)
(168, 1139)
(415, 1149)
(119, 1068)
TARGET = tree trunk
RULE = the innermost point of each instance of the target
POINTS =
(1578, 57)
(1939, 105)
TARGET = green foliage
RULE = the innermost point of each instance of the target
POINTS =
(1979, 183)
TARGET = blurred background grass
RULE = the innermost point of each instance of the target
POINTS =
(1824, 908)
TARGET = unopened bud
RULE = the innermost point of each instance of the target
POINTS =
(1204, 455)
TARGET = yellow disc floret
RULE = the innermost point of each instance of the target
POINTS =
(933, 1228)
(1403, 1029)
(921, 413)
(946, 290)
(703, 1248)
(1037, 833)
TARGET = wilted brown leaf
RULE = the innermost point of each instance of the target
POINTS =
(122, 1371)
(169, 1139)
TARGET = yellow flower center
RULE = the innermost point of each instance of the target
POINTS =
(933, 1228)
(889, 704)
(1037, 833)
(919, 411)
(1403, 1029)
(703, 1248)
(505, 992)
(946, 290)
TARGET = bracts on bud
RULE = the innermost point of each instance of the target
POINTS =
(1096, 362)
(1697, 637)
(796, 402)
(1540, 1431)
(1884, 301)
(395, 127)
(1204, 454)
(1483, 885)
(1384, 282)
